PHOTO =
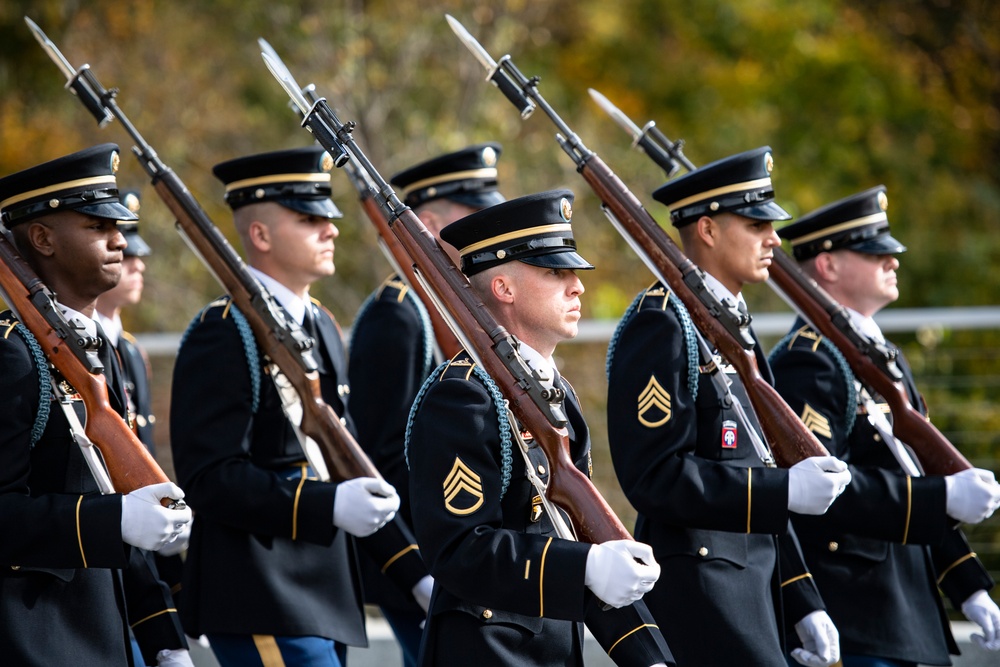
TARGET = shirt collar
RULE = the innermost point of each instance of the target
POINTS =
(112, 326)
(546, 368)
(293, 304)
(723, 293)
(867, 325)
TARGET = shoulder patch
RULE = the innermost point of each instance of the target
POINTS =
(816, 422)
(463, 489)
(654, 404)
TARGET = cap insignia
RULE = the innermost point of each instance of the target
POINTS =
(131, 202)
(566, 209)
(489, 156)
(883, 201)
(768, 162)
(325, 162)
(115, 161)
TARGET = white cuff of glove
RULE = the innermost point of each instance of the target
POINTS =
(146, 523)
(621, 571)
(363, 505)
(820, 640)
(814, 483)
(174, 658)
(422, 592)
(982, 610)
(971, 495)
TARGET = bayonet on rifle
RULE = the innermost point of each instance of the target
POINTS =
(873, 362)
(717, 321)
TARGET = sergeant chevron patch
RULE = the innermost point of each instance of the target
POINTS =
(654, 404)
(463, 489)
(816, 422)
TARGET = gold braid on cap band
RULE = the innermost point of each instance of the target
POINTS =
(844, 226)
(273, 179)
(58, 187)
(486, 172)
(519, 234)
(724, 190)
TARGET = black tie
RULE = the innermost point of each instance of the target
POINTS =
(112, 371)
(311, 330)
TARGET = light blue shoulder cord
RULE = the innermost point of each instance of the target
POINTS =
(249, 348)
(690, 340)
(502, 422)
(44, 382)
(847, 376)
(427, 337)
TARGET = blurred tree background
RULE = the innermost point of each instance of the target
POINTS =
(849, 94)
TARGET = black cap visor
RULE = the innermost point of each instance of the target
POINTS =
(322, 208)
(883, 244)
(136, 246)
(564, 259)
(764, 211)
(110, 210)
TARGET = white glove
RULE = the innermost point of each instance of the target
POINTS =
(178, 545)
(363, 505)
(972, 495)
(174, 658)
(814, 483)
(146, 523)
(820, 640)
(983, 611)
(422, 592)
(614, 575)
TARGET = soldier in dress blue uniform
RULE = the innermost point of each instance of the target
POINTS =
(393, 350)
(508, 590)
(684, 452)
(136, 370)
(128, 292)
(69, 591)
(882, 551)
(271, 570)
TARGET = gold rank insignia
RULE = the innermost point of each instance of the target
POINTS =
(654, 404)
(463, 489)
(816, 422)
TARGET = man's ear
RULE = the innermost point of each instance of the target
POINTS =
(502, 287)
(40, 238)
(259, 236)
(706, 229)
(826, 266)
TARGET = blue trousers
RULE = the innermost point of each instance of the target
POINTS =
(851, 660)
(271, 651)
(406, 627)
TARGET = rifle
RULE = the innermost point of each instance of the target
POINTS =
(790, 440)
(537, 408)
(283, 341)
(873, 363)
(124, 463)
(390, 245)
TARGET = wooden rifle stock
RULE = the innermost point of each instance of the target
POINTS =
(129, 464)
(790, 440)
(445, 337)
(592, 518)
(343, 456)
(936, 453)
